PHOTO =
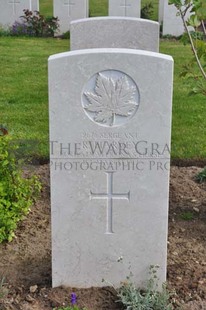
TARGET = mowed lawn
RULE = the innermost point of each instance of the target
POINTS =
(24, 93)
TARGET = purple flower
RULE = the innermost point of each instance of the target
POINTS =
(73, 299)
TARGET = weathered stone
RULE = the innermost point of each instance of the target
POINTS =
(172, 22)
(130, 8)
(110, 126)
(11, 10)
(117, 32)
(68, 10)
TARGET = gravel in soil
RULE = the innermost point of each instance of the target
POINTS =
(26, 261)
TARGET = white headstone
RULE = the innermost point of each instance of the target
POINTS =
(172, 23)
(130, 8)
(110, 126)
(127, 32)
(68, 10)
(11, 10)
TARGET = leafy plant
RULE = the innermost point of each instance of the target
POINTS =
(66, 35)
(187, 216)
(197, 40)
(16, 193)
(20, 29)
(201, 176)
(148, 299)
(36, 25)
(73, 304)
(4, 32)
(147, 10)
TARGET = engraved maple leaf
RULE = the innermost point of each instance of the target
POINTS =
(110, 98)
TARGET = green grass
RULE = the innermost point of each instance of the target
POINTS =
(98, 8)
(189, 112)
(46, 7)
(24, 92)
(155, 4)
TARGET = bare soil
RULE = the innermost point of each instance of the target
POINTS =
(26, 261)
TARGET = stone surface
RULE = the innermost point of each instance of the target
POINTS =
(130, 8)
(172, 24)
(110, 127)
(68, 10)
(11, 10)
(127, 32)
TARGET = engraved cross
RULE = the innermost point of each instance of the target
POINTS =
(109, 196)
(14, 2)
(68, 3)
(125, 6)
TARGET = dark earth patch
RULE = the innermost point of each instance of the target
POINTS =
(26, 261)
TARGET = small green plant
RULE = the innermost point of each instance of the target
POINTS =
(147, 10)
(73, 304)
(4, 32)
(148, 299)
(66, 35)
(36, 25)
(187, 216)
(196, 38)
(201, 176)
(16, 193)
